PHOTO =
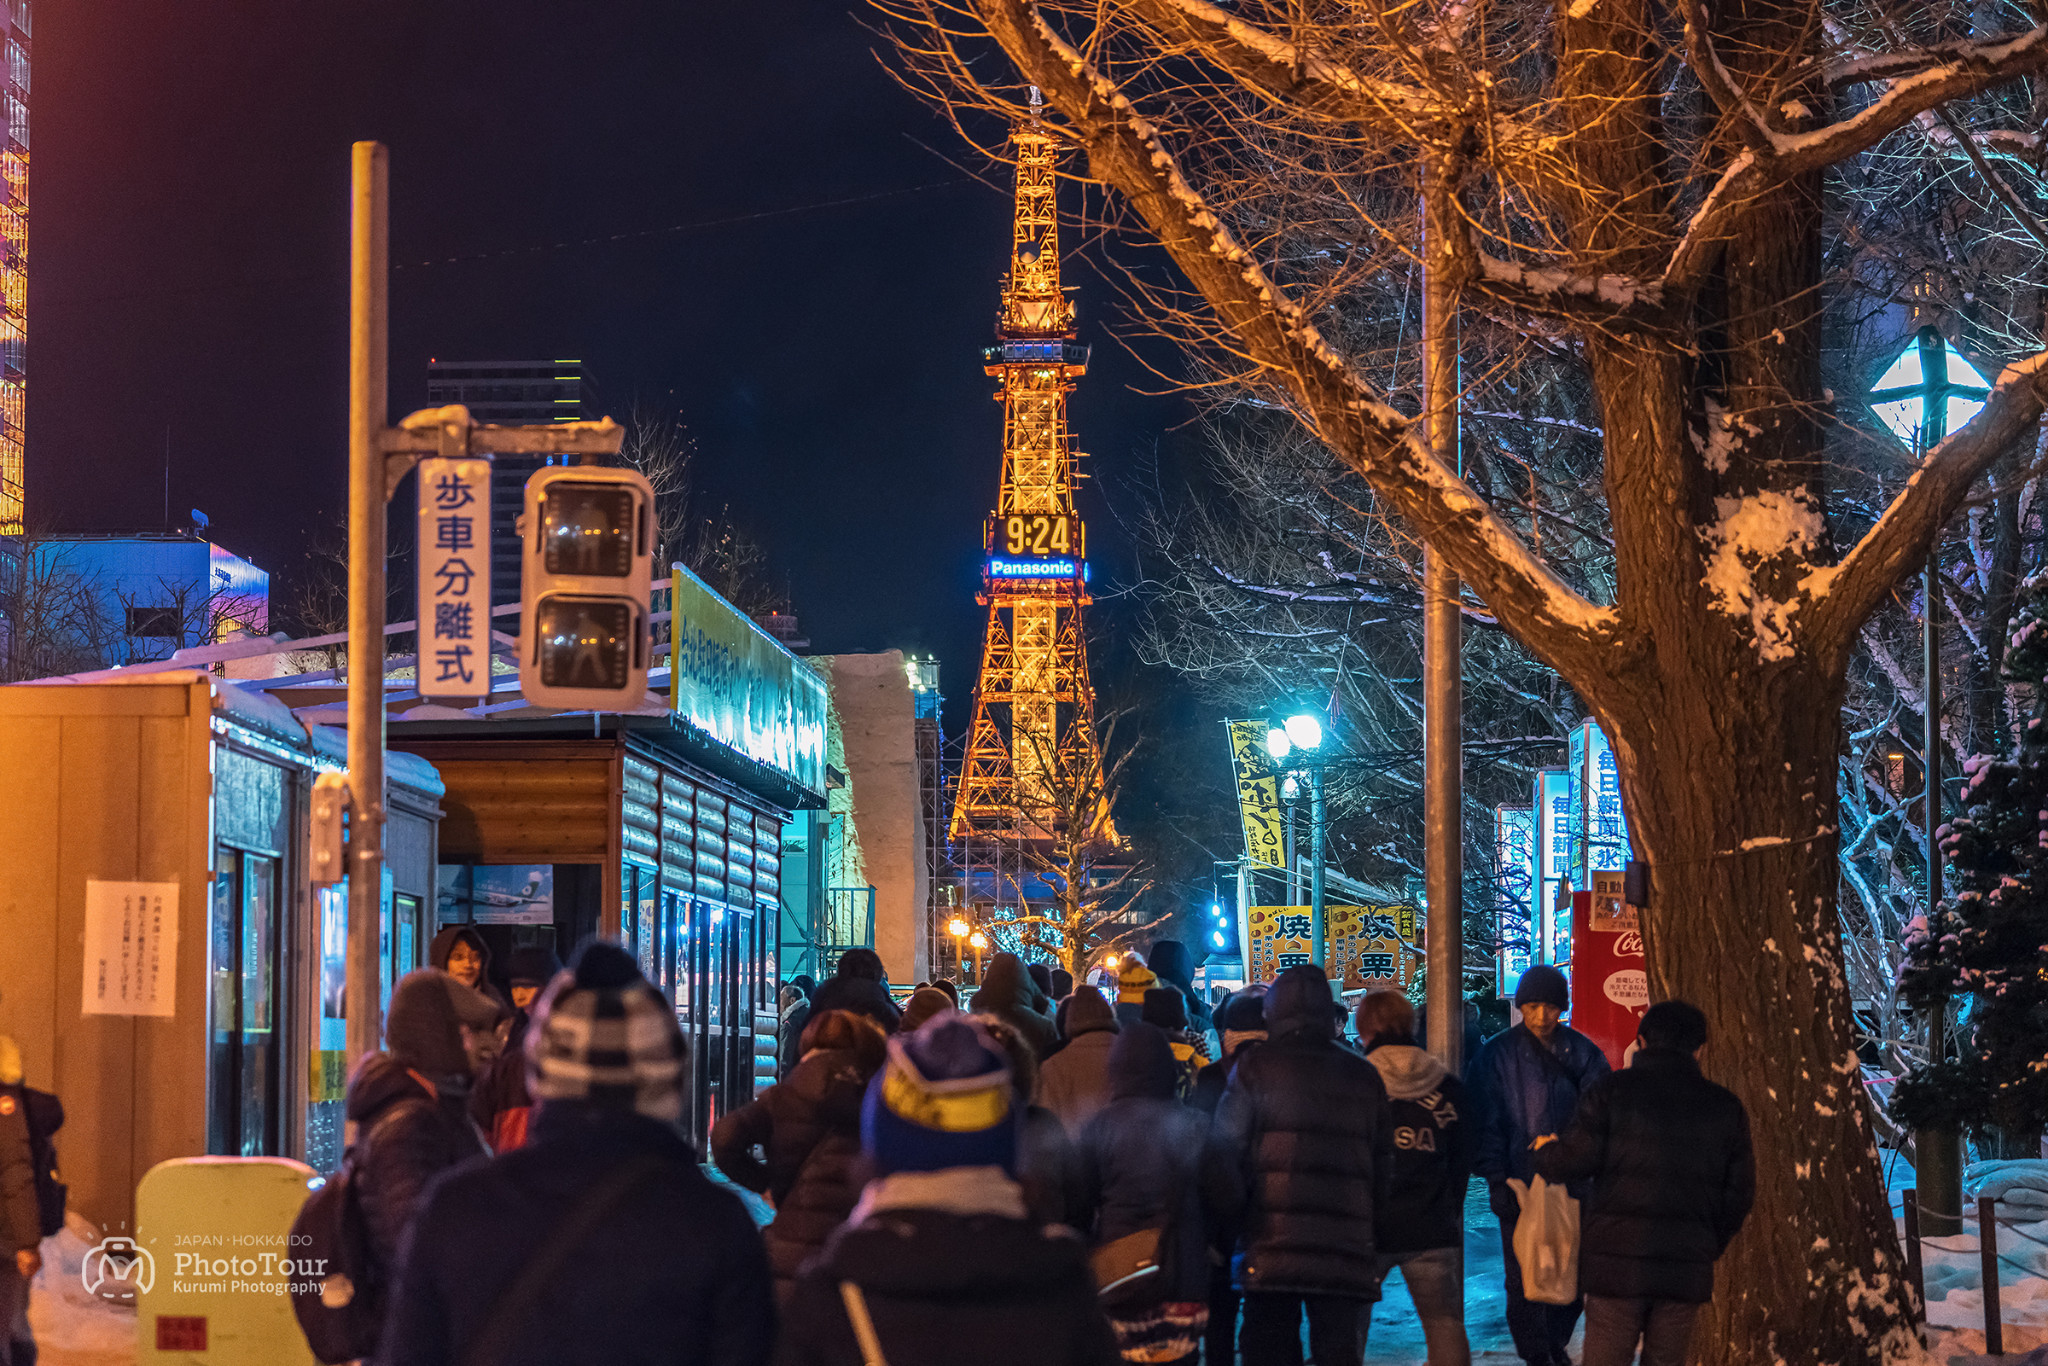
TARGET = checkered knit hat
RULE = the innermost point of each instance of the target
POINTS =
(602, 1034)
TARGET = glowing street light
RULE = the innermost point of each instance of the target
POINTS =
(1302, 735)
(977, 941)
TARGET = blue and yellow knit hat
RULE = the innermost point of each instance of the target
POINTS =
(942, 1099)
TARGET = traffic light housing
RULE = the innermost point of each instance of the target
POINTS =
(327, 829)
(588, 554)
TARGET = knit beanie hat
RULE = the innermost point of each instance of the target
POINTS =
(1085, 1012)
(423, 1025)
(1166, 1008)
(602, 1034)
(942, 1099)
(1544, 985)
(1133, 980)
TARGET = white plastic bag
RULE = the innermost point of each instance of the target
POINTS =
(1547, 1241)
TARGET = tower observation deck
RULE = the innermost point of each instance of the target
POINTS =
(1032, 738)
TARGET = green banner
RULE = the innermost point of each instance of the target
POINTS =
(737, 684)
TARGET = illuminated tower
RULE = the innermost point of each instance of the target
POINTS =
(13, 263)
(1034, 709)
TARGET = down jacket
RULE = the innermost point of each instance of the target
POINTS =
(1074, 1082)
(1522, 1090)
(1305, 1124)
(807, 1127)
(1431, 1164)
(409, 1131)
(1669, 1159)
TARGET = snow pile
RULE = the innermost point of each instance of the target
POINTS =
(1753, 531)
(73, 1326)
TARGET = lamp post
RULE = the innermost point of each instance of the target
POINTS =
(1927, 388)
(977, 941)
(1302, 734)
(958, 927)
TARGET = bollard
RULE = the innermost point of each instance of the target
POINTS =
(1987, 1243)
(1911, 1199)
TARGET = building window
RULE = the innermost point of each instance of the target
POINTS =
(155, 623)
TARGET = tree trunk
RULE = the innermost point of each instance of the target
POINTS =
(1730, 794)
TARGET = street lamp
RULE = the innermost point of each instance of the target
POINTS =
(977, 941)
(958, 927)
(1302, 734)
(1927, 391)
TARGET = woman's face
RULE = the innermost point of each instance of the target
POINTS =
(465, 964)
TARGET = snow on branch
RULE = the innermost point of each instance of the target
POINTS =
(1553, 289)
(1127, 153)
(1845, 595)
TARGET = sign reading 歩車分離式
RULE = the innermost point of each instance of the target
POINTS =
(739, 686)
(454, 578)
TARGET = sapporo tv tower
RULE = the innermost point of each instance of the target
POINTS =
(1033, 733)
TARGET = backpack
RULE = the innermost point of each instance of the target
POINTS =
(340, 1309)
(45, 1115)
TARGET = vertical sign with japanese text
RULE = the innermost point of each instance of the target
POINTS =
(455, 578)
(131, 948)
(1518, 921)
(1258, 793)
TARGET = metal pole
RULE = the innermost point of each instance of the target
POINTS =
(1939, 1151)
(1910, 1208)
(1318, 821)
(1987, 1246)
(369, 245)
(1442, 681)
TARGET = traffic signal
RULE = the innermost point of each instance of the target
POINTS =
(325, 837)
(1222, 931)
(588, 537)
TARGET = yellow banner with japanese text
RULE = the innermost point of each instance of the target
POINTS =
(1258, 793)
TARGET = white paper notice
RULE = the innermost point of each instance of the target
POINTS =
(131, 948)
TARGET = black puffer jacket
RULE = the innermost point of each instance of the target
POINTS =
(1305, 1123)
(947, 1287)
(1008, 993)
(1142, 1163)
(808, 1128)
(1424, 1202)
(409, 1131)
(1668, 1155)
(860, 995)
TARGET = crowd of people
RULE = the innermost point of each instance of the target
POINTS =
(1045, 1172)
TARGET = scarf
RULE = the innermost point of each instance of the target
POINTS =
(951, 1190)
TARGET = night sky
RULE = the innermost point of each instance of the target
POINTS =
(189, 261)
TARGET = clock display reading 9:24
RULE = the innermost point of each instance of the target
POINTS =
(1038, 534)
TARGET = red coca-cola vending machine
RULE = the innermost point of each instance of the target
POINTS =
(1610, 981)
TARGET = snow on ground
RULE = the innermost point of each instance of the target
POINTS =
(73, 1326)
(1953, 1270)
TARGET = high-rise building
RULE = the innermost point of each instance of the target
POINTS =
(14, 266)
(510, 391)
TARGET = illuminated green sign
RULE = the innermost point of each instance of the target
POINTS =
(737, 684)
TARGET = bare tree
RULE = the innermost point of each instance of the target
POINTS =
(59, 623)
(713, 545)
(1640, 187)
(1088, 882)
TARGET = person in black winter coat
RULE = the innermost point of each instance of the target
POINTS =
(1419, 1226)
(1526, 1084)
(1143, 1167)
(601, 1242)
(860, 985)
(1668, 1155)
(21, 1225)
(1011, 994)
(1241, 1019)
(499, 1103)
(794, 1001)
(941, 1261)
(1171, 962)
(1045, 1154)
(1306, 1124)
(410, 1104)
(807, 1127)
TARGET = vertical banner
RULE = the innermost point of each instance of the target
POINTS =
(1610, 981)
(455, 578)
(1599, 831)
(1518, 923)
(1258, 794)
(1553, 865)
(131, 948)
